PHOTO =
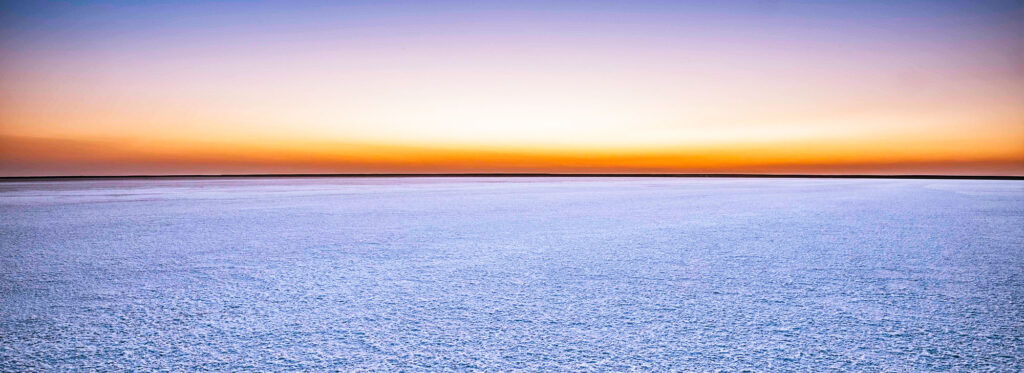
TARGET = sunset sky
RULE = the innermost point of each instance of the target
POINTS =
(146, 87)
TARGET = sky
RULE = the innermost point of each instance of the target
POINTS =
(151, 87)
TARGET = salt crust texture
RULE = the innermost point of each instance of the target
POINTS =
(492, 274)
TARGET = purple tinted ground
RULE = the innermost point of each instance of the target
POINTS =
(551, 274)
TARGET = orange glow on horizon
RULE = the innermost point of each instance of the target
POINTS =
(99, 157)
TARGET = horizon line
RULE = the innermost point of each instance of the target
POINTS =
(519, 174)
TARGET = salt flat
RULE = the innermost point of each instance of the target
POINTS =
(548, 274)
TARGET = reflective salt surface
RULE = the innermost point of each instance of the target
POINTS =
(499, 274)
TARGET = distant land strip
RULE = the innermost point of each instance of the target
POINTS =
(660, 175)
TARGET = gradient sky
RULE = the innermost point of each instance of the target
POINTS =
(146, 87)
